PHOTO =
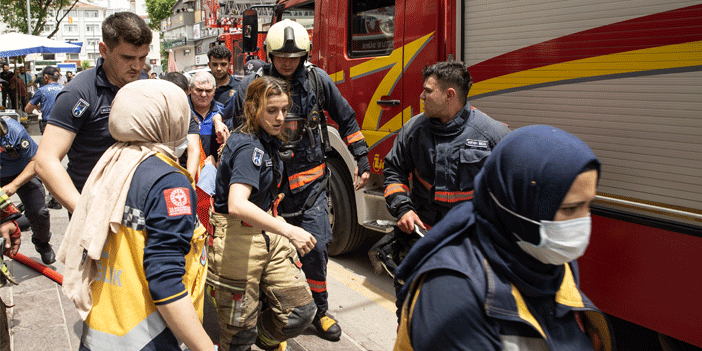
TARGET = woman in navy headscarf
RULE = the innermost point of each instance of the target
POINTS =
(499, 273)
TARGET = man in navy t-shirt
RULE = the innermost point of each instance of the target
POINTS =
(78, 124)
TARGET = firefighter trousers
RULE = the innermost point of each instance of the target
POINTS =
(315, 220)
(243, 262)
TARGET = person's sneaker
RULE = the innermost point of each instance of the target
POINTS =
(53, 204)
(327, 327)
(46, 252)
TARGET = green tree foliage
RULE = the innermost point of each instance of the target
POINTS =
(85, 64)
(14, 13)
(158, 10)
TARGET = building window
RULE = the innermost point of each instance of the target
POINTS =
(70, 14)
(70, 28)
(48, 28)
(74, 56)
(92, 29)
(372, 28)
(93, 55)
(91, 13)
(48, 57)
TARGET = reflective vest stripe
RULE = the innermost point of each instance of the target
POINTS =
(354, 138)
(138, 337)
(424, 182)
(453, 196)
(302, 178)
(396, 188)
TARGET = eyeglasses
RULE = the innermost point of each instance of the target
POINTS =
(199, 91)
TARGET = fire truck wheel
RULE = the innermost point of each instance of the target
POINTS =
(347, 234)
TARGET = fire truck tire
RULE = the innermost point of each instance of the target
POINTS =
(347, 234)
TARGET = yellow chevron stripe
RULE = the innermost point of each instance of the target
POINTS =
(662, 57)
(395, 63)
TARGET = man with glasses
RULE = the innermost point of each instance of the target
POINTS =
(202, 103)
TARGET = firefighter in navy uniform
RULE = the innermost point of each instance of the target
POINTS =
(442, 149)
(253, 252)
(305, 201)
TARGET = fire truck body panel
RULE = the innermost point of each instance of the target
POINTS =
(626, 77)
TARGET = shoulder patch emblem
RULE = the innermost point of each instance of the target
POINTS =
(24, 144)
(178, 201)
(80, 108)
(257, 157)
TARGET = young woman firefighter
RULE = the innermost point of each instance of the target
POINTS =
(500, 272)
(252, 250)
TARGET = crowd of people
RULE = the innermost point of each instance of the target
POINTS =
(502, 215)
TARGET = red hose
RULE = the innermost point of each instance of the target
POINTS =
(50, 273)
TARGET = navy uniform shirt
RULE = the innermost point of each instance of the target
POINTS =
(16, 149)
(83, 107)
(247, 160)
(225, 92)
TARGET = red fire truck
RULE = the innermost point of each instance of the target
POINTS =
(625, 76)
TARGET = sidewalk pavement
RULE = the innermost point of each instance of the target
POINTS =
(42, 318)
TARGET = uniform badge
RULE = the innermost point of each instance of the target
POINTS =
(80, 108)
(232, 92)
(477, 144)
(24, 144)
(203, 255)
(177, 201)
(257, 157)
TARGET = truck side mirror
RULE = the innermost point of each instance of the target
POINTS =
(250, 31)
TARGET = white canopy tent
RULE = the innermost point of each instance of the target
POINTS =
(17, 44)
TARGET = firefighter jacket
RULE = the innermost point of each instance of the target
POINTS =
(308, 164)
(156, 257)
(441, 159)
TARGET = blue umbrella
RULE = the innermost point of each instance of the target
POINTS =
(17, 44)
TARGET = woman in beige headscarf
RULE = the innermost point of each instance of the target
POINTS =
(134, 250)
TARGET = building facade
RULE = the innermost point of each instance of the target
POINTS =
(83, 24)
(195, 25)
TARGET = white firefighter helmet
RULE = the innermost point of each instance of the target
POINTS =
(287, 39)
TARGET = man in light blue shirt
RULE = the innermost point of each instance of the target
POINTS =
(45, 96)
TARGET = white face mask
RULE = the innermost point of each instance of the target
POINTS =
(180, 149)
(561, 241)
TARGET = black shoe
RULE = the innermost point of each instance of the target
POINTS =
(53, 204)
(46, 252)
(327, 327)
